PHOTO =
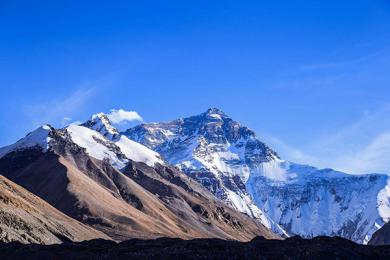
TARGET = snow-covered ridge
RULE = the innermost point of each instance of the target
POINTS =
(213, 149)
(101, 128)
(101, 123)
(37, 138)
(312, 202)
(96, 145)
(137, 152)
(229, 159)
(111, 146)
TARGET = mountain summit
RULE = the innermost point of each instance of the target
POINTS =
(116, 186)
(215, 150)
(124, 183)
(233, 163)
(102, 124)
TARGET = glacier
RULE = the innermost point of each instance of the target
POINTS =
(291, 199)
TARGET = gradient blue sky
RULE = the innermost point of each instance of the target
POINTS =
(312, 78)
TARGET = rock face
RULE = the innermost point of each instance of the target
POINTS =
(230, 161)
(381, 237)
(168, 248)
(94, 180)
(26, 218)
(314, 202)
(100, 123)
(214, 150)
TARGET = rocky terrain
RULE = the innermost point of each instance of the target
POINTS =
(26, 218)
(205, 176)
(291, 199)
(381, 237)
(214, 150)
(168, 248)
(89, 178)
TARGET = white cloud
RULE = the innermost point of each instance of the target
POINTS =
(121, 115)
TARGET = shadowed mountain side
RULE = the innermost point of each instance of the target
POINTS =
(189, 200)
(26, 218)
(382, 236)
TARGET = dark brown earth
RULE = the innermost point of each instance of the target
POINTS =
(168, 248)
(26, 218)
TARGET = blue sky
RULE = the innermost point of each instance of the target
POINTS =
(312, 78)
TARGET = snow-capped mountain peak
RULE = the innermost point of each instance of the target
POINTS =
(215, 150)
(97, 136)
(215, 113)
(37, 138)
(229, 160)
(97, 146)
(101, 130)
(101, 123)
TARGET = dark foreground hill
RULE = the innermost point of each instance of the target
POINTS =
(170, 248)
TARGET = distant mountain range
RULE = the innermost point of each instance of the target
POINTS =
(205, 176)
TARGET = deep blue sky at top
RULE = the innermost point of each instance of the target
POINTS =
(310, 77)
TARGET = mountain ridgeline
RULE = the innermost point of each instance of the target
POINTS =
(204, 176)
(291, 199)
(120, 192)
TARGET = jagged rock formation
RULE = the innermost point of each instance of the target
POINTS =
(214, 150)
(229, 160)
(96, 181)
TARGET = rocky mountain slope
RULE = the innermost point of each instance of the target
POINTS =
(119, 187)
(26, 218)
(230, 161)
(214, 150)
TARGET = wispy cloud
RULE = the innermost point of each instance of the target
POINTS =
(65, 121)
(370, 124)
(335, 64)
(59, 110)
(338, 64)
(287, 151)
(308, 82)
(375, 157)
(363, 146)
